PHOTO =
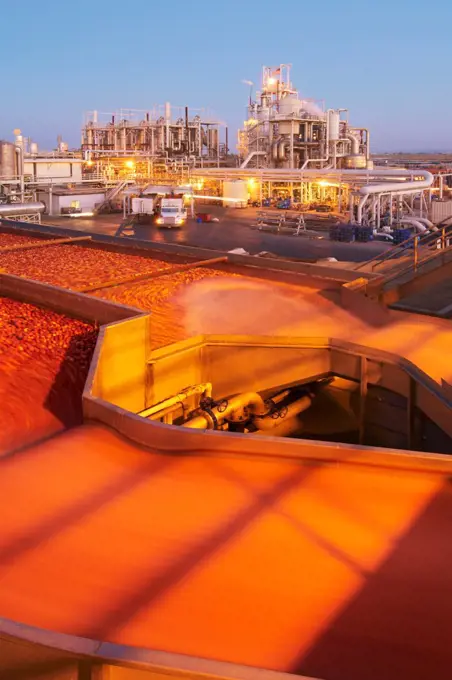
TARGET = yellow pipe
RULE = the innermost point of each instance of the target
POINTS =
(249, 400)
(177, 399)
(293, 409)
(285, 427)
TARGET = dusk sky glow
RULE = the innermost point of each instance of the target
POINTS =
(387, 62)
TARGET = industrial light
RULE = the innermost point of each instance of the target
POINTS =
(159, 220)
(251, 182)
(324, 183)
(222, 198)
(271, 81)
(129, 164)
(89, 163)
(82, 214)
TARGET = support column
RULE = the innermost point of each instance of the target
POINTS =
(362, 398)
(50, 200)
(411, 404)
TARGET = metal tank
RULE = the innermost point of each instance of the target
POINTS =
(8, 159)
(33, 148)
(355, 162)
(288, 106)
(333, 125)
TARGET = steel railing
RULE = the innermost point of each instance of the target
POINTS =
(416, 265)
(413, 248)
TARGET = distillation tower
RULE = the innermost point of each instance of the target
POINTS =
(283, 130)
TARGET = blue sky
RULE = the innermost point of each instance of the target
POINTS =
(387, 62)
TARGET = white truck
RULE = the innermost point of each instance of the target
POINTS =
(172, 213)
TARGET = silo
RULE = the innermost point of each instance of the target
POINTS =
(8, 159)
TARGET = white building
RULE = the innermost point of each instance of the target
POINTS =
(58, 170)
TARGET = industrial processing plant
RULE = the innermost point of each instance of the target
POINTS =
(165, 132)
(284, 131)
(226, 434)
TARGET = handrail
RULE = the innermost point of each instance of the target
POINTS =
(419, 239)
(413, 266)
(382, 257)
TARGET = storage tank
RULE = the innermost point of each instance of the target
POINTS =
(8, 159)
(288, 106)
(333, 125)
(356, 162)
(33, 148)
(237, 190)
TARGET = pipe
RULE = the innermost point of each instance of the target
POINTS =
(283, 428)
(21, 208)
(359, 215)
(267, 422)
(250, 156)
(282, 150)
(421, 228)
(366, 175)
(154, 275)
(366, 130)
(173, 402)
(275, 148)
(209, 420)
(397, 187)
(355, 143)
(20, 167)
(424, 220)
(187, 131)
(44, 244)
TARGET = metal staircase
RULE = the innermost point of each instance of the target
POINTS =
(110, 195)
